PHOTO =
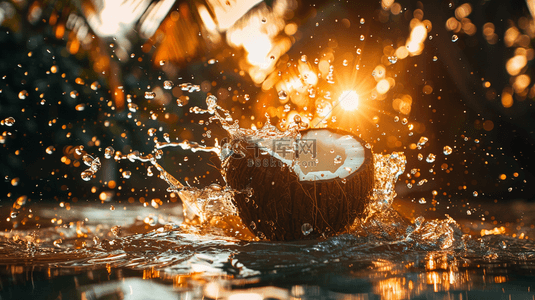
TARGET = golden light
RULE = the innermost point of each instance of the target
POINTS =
(383, 86)
(258, 48)
(515, 64)
(208, 21)
(349, 100)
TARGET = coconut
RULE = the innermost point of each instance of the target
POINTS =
(298, 188)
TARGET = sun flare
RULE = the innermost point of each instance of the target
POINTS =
(349, 100)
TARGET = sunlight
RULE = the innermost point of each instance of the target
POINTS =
(349, 100)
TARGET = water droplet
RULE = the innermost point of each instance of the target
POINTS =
(503, 245)
(73, 94)
(338, 159)
(447, 150)
(151, 131)
(252, 225)
(94, 86)
(86, 175)
(468, 212)
(127, 174)
(475, 193)
(116, 230)
(87, 159)
(80, 107)
(282, 95)
(362, 21)
(359, 51)
(21, 200)
(79, 150)
(112, 208)
(9, 121)
(150, 95)
(151, 220)
(50, 149)
(109, 152)
(420, 157)
(422, 201)
(166, 137)
(306, 228)
(168, 84)
(393, 59)
(212, 61)
(303, 58)
(435, 58)
(246, 97)
(430, 158)
(162, 62)
(454, 38)
(361, 38)
(345, 62)
(23, 94)
(422, 141)
(404, 121)
(396, 119)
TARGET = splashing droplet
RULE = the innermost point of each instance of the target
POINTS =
(447, 150)
(430, 158)
(9, 121)
(127, 174)
(109, 152)
(86, 175)
(282, 95)
(23, 94)
(168, 84)
(50, 149)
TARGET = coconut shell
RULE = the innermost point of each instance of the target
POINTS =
(280, 203)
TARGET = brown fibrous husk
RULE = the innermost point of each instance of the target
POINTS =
(280, 203)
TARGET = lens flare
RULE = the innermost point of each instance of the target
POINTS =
(349, 100)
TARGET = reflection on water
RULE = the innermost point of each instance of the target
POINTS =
(392, 260)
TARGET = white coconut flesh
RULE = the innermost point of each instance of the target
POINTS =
(335, 156)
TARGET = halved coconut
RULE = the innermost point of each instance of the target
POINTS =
(301, 188)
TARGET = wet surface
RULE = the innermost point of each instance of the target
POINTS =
(392, 260)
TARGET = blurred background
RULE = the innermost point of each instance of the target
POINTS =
(448, 83)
